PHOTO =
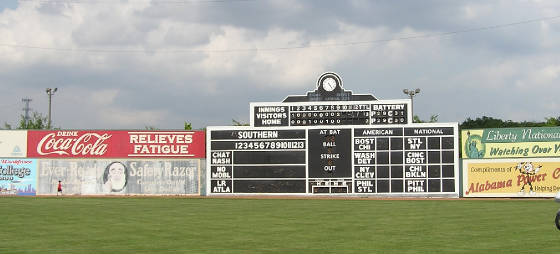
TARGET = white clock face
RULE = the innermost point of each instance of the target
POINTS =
(329, 84)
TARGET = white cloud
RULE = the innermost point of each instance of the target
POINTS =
(103, 106)
(476, 10)
(176, 56)
(280, 60)
(546, 76)
(101, 98)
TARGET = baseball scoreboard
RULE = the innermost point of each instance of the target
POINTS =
(330, 113)
(416, 159)
(332, 142)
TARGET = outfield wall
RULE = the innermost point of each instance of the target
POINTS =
(508, 162)
(102, 162)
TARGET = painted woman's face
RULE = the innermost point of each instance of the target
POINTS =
(117, 176)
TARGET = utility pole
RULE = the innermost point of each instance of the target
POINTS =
(50, 92)
(26, 109)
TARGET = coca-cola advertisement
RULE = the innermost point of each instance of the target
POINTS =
(115, 144)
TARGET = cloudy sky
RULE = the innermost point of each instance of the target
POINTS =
(128, 64)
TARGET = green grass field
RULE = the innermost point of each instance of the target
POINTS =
(211, 225)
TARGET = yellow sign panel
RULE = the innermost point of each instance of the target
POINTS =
(511, 178)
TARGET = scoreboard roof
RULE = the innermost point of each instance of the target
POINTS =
(329, 88)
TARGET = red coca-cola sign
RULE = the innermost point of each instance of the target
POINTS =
(116, 144)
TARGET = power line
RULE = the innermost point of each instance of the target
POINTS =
(341, 44)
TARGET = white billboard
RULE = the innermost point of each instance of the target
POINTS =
(13, 143)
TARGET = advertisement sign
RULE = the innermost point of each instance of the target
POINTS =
(118, 177)
(511, 143)
(18, 177)
(13, 143)
(116, 144)
(511, 177)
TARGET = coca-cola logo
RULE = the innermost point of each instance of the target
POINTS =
(86, 144)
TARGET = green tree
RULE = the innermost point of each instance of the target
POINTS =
(490, 122)
(482, 122)
(7, 126)
(36, 122)
(188, 126)
(433, 119)
(237, 123)
(552, 121)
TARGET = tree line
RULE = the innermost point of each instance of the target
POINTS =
(491, 122)
(39, 122)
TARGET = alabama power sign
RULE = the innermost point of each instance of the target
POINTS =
(523, 177)
(116, 144)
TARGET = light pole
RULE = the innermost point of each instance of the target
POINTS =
(411, 93)
(50, 92)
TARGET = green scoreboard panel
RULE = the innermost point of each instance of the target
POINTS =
(396, 160)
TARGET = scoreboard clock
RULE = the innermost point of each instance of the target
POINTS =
(329, 82)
